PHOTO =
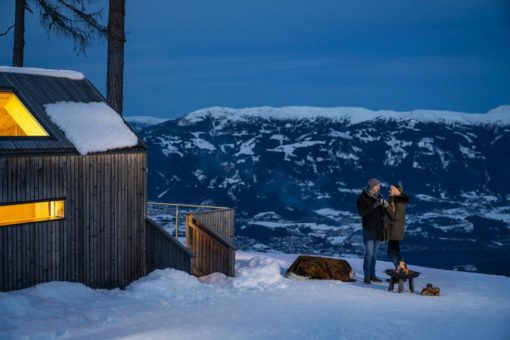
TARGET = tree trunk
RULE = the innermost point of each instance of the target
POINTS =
(115, 67)
(19, 34)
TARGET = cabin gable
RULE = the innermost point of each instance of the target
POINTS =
(67, 213)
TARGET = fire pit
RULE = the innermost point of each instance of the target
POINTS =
(400, 277)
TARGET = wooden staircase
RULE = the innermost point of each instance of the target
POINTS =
(209, 245)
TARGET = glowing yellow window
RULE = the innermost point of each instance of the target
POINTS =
(31, 212)
(15, 119)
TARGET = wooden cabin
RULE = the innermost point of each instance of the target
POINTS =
(72, 184)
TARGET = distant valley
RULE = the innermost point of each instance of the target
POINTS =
(293, 175)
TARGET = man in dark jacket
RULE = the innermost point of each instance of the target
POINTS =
(371, 209)
(396, 212)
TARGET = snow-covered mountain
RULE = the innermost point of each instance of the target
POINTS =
(293, 175)
(141, 122)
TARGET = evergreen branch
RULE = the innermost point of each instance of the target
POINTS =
(91, 19)
(64, 18)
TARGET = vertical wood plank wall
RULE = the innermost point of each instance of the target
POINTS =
(221, 221)
(101, 241)
(164, 251)
(211, 252)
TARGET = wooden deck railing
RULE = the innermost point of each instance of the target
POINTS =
(212, 252)
(165, 251)
(220, 221)
(209, 232)
(178, 211)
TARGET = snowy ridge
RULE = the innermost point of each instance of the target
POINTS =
(146, 120)
(43, 72)
(354, 115)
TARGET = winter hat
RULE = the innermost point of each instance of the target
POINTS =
(399, 187)
(372, 182)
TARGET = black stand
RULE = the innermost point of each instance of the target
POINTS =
(400, 278)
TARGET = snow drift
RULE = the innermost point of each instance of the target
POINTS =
(261, 304)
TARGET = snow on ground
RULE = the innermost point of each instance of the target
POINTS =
(168, 145)
(246, 148)
(201, 143)
(91, 127)
(289, 149)
(260, 303)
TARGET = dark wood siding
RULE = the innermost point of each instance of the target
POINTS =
(211, 252)
(101, 241)
(220, 221)
(165, 251)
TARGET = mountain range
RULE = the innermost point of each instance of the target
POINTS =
(293, 175)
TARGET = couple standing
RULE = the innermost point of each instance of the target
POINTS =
(382, 220)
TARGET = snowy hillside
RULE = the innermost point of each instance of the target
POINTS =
(355, 115)
(140, 122)
(293, 174)
(261, 304)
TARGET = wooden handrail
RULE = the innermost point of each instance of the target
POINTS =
(211, 232)
(200, 211)
(214, 252)
(209, 235)
(188, 205)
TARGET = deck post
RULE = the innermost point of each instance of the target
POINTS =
(177, 222)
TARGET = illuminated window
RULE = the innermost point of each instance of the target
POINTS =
(31, 212)
(15, 119)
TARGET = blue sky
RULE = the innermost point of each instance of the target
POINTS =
(397, 55)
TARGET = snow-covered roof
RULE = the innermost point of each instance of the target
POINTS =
(91, 127)
(355, 115)
(43, 72)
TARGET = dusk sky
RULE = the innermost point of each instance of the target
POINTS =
(396, 55)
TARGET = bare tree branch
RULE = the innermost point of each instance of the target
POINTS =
(7, 31)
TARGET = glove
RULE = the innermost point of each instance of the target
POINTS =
(377, 203)
(386, 204)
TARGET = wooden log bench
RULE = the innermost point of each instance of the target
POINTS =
(400, 278)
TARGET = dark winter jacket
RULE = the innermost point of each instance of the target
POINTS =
(371, 216)
(396, 211)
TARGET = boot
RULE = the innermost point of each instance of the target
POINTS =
(375, 279)
(366, 280)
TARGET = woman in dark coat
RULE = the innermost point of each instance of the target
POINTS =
(395, 221)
